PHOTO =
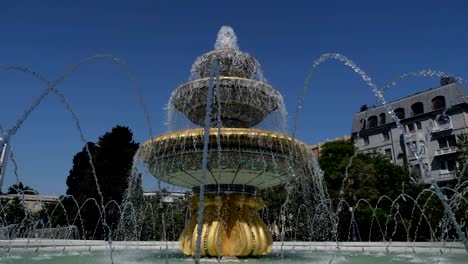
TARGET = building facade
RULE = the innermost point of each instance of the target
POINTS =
(169, 196)
(433, 119)
(33, 202)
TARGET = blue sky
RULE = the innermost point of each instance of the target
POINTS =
(160, 39)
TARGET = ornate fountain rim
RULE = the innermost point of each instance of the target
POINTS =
(225, 78)
(245, 133)
(249, 167)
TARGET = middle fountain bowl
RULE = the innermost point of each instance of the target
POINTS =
(244, 102)
(251, 158)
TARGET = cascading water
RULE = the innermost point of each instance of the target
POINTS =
(233, 157)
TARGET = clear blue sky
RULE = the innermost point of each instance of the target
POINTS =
(160, 40)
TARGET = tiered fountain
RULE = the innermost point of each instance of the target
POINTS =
(241, 159)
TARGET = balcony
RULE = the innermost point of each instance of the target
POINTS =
(442, 123)
(445, 151)
(440, 175)
(445, 175)
(441, 128)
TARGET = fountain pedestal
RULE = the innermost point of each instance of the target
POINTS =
(231, 227)
(241, 159)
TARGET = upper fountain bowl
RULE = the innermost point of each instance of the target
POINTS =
(232, 63)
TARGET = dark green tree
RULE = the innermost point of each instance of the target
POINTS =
(14, 212)
(112, 158)
(369, 177)
(163, 220)
(462, 157)
(334, 158)
(53, 215)
(19, 188)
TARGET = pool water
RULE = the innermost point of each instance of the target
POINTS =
(176, 257)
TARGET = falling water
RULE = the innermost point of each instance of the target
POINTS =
(317, 209)
(52, 87)
(214, 74)
(381, 99)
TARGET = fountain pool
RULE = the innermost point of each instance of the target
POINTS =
(274, 257)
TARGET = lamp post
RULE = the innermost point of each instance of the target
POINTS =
(4, 155)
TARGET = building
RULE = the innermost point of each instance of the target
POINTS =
(169, 196)
(33, 202)
(432, 118)
(317, 148)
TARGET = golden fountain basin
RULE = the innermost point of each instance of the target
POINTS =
(238, 156)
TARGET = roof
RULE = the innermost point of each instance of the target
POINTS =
(30, 197)
(453, 94)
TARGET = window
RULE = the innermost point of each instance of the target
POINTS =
(408, 145)
(422, 148)
(446, 142)
(417, 170)
(382, 119)
(410, 127)
(418, 125)
(400, 113)
(417, 108)
(363, 124)
(388, 153)
(366, 140)
(438, 102)
(442, 120)
(447, 165)
(386, 136)
(442, 143)
(372, 121)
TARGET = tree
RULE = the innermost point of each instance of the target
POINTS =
(14, 212)
(334, 158)
(112, 158)
(163, 220)
(19, 188)
(369, 177)
(53, 215)
(461, 158)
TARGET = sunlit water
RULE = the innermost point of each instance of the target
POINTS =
(176, 257)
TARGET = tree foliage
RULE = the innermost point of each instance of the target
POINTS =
(356, 183)
(112, 158)
(19, 188)
(369, 176)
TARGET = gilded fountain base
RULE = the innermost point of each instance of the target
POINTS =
(231, 227)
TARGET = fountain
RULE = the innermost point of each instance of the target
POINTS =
(241, 159)
(227, 161)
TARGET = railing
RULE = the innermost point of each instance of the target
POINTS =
(445, 151)
(445, 175)
(439, 128)
(442, 126)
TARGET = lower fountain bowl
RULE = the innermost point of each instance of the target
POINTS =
(236, 156)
